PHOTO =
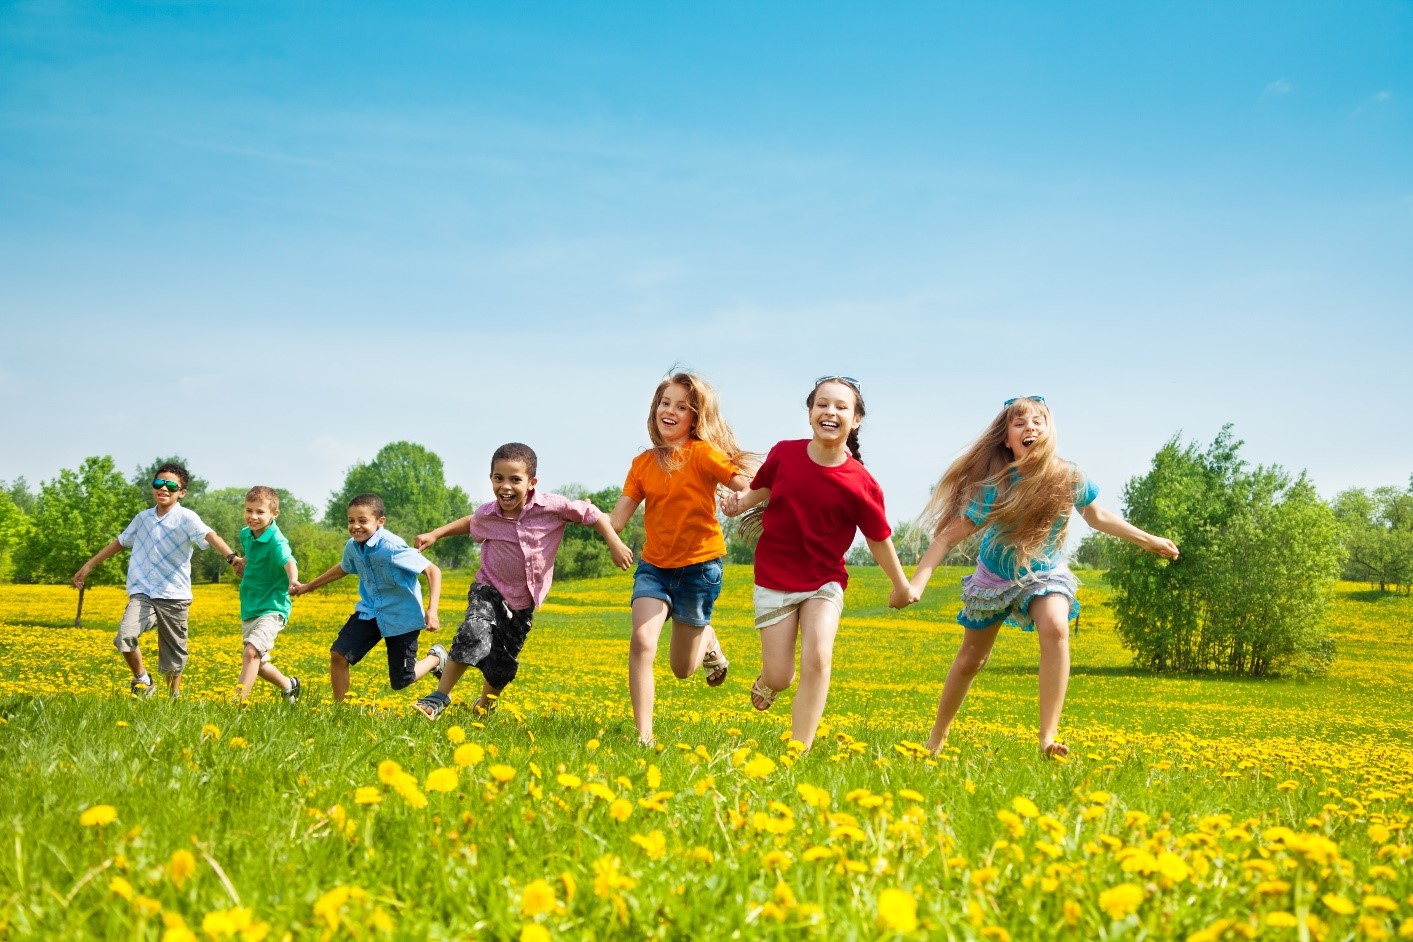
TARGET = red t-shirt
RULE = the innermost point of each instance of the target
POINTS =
(810, 521)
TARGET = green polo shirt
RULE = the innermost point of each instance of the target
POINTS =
(264, 589)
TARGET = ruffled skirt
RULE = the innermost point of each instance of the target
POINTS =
(988, 598)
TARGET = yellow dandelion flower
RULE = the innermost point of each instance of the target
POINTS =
(1282, 920)
(653, 843)
(502, 773)
(456, 735)
(591, 745)
(1379, 833)
(776, 860)
(759, 766)
(566, 780)
(120, 887)
(146, 906)
(1337, 904)
(1380, 903)
(468, 754)
(897, 911)
(98, 816)
(620, 809)
(812, 796)
(701, 855)
(210, 731)
(654, 777)
(1025, 807)
(537, 899)
(367, 795)
(816, 853)
(388, 771)
(180, 867)
(534, 932)
(571, 886)
(1122, 900)
(328, 908)
(442, 780)
(908, 794)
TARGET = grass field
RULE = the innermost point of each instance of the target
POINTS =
(1192, 808)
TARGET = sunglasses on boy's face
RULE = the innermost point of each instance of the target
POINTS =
(158, 484)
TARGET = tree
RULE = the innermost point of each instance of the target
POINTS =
(412, 483)
(1095, 551)
(77, 514)
(15, 529)
(583, 554)
(1259, 555)
(20, 494)
(1378, 535)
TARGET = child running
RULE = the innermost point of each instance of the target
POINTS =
(819, 495)
(161, 538)
(1012, 482)
(270, 572)
(519, 532)
(694, 452)
(389, 605)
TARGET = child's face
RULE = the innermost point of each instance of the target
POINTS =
(511, 483)
(833, 415)
(1025, 430)
(259, 514)
(675, 419)
(362, 522)
(163, 496)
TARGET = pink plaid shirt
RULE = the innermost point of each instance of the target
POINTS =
(517, 556)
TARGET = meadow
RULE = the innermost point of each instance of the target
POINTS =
(1195, 808)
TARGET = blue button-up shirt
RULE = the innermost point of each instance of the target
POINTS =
(387, 570)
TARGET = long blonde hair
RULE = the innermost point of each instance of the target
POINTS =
(707, 425)
(1026, 508)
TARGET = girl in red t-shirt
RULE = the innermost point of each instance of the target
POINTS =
(679, 569)
(819, 496)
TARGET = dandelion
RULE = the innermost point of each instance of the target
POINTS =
(210, 731)
(98, 816)
(456, 735)
(120, 887)
(653, 843)
(608, 880)
(442, 780)
(812, 796)
(180, 866)
(176, 929)
(1281, 920)
(776, 860)
(537, 899)
(468, 754)
(1122, 900)
(591, 745)
(571, 886)
(1025, 807)
(620, 809)
(759, 766)
(897, 911)
(566, 780)
(388, 771)
(534, 932)
(502, 773)
(367, 795)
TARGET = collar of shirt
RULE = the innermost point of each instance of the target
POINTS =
(266, 536)
(373, 541)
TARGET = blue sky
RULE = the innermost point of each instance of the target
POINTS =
(274, 237)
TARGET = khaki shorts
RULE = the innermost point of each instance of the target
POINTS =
(260, 633)
(773, 606)
(168, 616)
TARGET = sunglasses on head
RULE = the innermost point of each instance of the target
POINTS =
(1019, 398)
(858, 386)
(158, 484)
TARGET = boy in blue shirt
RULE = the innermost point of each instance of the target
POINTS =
(389, 600)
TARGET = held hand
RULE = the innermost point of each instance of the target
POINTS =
(80, 576)
(296, 588)
(423, 541)
(434, 622)
(238, 564)
(731, 504)
(1163, 547)
(622, 556)
(901, 598)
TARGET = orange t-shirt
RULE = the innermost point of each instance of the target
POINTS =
(680, 514)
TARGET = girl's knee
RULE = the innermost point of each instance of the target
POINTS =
(778, 679)
(643, 642)
(1052, 632)
(969, 665)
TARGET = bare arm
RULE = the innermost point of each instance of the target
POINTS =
(1106, 521)
(622, 512)
(953, 533)
(622, 555)
(887, 556)
(738, 502)
(292, 571)
(332, 574)
(739, 483)
(106, 553)
(213, 540)
(434, 596)
(460, 527)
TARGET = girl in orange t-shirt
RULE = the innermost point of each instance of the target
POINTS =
(679, 570)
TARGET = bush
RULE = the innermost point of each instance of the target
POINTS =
(1260, 553)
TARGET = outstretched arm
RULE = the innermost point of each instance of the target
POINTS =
(953, 533)
(622, 555)
(1106, 521)
(213, 539)
(738, 502)
(106, 553)
(887, 556)
(331, 574)
(456, 528)
(621, 514)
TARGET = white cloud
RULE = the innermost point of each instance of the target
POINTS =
(1280, 86)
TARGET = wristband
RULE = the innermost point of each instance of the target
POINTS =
(231, 559)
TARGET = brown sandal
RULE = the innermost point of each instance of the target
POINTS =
(759, 691)
(715, 665)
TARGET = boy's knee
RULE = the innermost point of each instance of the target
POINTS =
(337, 660)
(251, 653)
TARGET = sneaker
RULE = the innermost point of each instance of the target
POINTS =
(441, 656)
(139, 689)
(292, 694)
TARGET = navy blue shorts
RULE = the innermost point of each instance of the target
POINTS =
(360, 635)
(689, 591)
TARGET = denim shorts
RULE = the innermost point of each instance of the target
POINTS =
(689, 591)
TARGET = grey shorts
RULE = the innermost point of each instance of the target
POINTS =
(259, 632)
(168, 616)
(773, 606)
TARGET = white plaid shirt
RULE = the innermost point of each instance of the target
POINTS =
(160, 567)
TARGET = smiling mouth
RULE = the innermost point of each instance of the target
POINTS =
(1028, 441)
(829, 424)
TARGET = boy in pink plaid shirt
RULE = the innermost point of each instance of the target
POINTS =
(519, 532)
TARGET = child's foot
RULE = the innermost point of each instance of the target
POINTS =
(440, 653)
(143, 686)
(715, 665)
(761, 695)
(432, 705)
(295, 687)
(1055, 750)
(485, 704)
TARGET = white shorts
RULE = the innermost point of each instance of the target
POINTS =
(773, 606)
(259, 633)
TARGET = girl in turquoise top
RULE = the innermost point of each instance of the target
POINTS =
(1011, 482)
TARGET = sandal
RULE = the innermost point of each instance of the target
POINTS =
(759, 691)
(715, 665)
(432, 705)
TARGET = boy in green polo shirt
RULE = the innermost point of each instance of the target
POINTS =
(270, 572)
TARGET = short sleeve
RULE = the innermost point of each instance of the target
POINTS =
(765, 476)
(632, 484)
(407, 558)
(717, 466)
(1085, 491)
(129, 535)
(980, 507)
(873, 518)
(282, 550)
(578, 511)
(195, 528)
(348, 563)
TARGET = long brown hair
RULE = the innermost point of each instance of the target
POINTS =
(1026, 508)
(708, 425)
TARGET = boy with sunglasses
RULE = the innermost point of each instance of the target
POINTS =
(159, 578)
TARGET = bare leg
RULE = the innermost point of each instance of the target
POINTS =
(648, 618)
(819, 623)
(271, 673)
(1051, 614)
(249, 667)
(777, 654)
(485, 703)
(174, 684)
(134, 661)
(424, 666)
(338, 675)
(970, 659)
(689, 645)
